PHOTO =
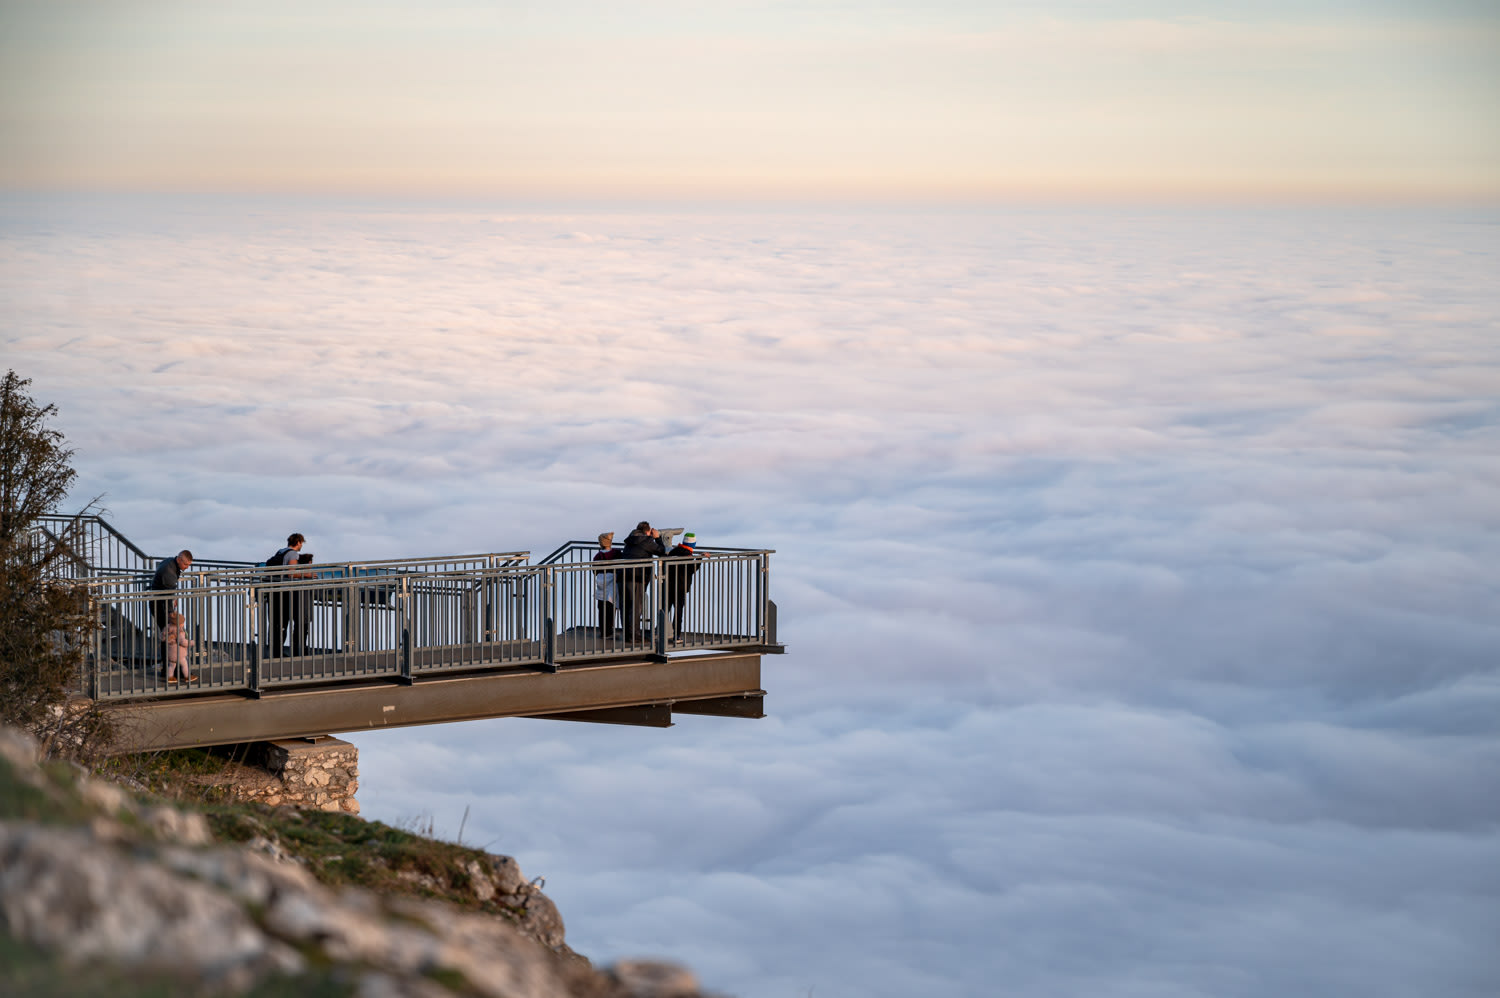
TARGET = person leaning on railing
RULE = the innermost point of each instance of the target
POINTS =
(167, 574)
(680, 579)
(644, 542)
(284, 610)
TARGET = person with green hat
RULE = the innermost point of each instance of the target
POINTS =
(679, 580)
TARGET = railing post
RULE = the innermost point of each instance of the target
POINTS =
(407, 611)
(468, 608)
(351, 618)
(100, 637)
(522, 613)
(490, 590)
(549, 621)
(767, 627)
(659, 628)
(252, 678)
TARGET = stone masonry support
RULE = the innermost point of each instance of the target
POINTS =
(319, 773)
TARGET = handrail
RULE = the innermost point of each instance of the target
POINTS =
(103, 534)
(567, 547)
(99, 521)
(386, 566)
(68, 550)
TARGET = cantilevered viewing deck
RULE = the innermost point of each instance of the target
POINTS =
(414, 641)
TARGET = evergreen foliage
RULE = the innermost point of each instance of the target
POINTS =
(43, 620)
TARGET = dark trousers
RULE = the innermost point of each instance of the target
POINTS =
(274, 619)
(633, 599)
(160, 608)
(288, 620)
(278, 616)
(299, 619)
(679, 581)
(606, 618)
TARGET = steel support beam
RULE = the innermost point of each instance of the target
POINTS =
(651, 715)
(743, 705)
(298, 713)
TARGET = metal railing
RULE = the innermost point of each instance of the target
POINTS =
(573, 552)
(246, 573)
(253, 628)
(127, 657)
(259, 630)
(96, 549)
(93, 546)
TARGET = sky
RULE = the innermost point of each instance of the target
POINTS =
(1136, 564)
(943, 100)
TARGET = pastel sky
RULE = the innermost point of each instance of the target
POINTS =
(941, 99)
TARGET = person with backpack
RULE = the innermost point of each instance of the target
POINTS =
(284, 608)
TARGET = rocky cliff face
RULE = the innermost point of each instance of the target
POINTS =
(94, 881)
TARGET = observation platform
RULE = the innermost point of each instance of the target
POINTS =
(334, 648)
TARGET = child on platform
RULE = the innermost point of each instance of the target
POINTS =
(177, 650)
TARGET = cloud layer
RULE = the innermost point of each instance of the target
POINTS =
(1137, 566)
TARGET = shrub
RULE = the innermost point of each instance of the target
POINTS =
(43, 621)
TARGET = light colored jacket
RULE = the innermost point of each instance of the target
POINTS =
(177, 647)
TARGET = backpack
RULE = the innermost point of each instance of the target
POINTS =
(273, 562)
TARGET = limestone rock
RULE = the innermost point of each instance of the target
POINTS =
(62, 890)
(182, 827)
(506, 875)
(655, 979)
(106, 797)
(18, 748)
(143, 886)
(541, 920)
(388, 986)
(479, 880)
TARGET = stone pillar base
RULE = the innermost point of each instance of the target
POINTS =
(319, 773)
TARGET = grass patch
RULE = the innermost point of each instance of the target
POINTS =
(448, 977)
(180, 774)
(27, 970)
(54, 802)
(344, 850)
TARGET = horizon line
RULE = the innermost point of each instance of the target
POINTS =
(1154, 196)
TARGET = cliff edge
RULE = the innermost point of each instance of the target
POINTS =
(107, 892)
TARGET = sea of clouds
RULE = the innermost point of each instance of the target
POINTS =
(1137, 566)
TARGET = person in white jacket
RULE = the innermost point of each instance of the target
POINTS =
(607, 586)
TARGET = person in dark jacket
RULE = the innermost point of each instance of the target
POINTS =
(165, 579)
(680, 579)
(644, 542)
